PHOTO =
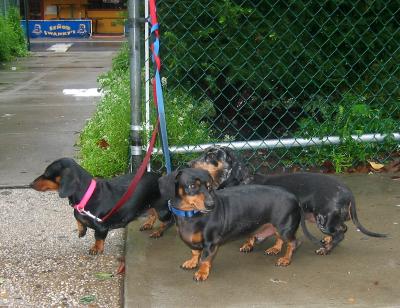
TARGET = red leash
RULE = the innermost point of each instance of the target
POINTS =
(157, 99)
(136, 179)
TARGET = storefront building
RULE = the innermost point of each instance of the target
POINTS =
(106, 17)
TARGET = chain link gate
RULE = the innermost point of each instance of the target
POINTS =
(287, 83)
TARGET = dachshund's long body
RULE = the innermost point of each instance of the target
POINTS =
(324, 199)
(72, 181)
(226, 214)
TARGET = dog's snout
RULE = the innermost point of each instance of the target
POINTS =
(209, 202)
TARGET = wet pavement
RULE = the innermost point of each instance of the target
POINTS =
(43, 263)
(97, 44)
(38, 121)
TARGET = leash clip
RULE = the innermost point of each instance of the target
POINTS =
(87, 213)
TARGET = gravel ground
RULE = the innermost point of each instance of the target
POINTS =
(43, 263)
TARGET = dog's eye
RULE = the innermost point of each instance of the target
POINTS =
(192, 186)
(211, 156)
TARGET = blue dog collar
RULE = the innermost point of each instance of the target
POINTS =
(182, 213)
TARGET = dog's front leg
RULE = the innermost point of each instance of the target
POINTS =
(98, 246)
(207, 255)
(81, 228)
(193, 261)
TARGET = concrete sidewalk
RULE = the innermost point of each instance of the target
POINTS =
(39, 122)
(361, 272)
(43, 263)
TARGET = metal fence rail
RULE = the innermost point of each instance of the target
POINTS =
(323, 76)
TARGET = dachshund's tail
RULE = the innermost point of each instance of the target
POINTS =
(306, 232)
(354, 218)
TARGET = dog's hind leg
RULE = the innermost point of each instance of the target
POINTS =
(161, 229)
(274, 250)
(287, 258)
(260, 235)
(248, 245)
(150, 221)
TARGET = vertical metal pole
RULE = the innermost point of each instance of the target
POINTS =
(26, 16)
(135, 74)
(147, 74)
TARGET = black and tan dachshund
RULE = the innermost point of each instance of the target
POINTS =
(207, 218)
(72, 181)
(324, 199)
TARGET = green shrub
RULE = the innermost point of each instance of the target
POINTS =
(185, 123)
(104, 141)
(355, 115)
(12, 39)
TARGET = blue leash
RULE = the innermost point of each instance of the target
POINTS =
(159, 93)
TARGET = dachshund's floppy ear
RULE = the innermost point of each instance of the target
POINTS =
(213, 183)
(69, 183)
(167, 183)
(239, 171)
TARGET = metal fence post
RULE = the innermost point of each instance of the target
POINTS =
(135, 77)
(26, 16)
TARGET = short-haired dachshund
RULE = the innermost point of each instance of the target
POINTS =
(324, 199)
(72, 181)
(207, 218)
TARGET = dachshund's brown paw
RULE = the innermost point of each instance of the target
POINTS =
(272, 251)
(282, 262)
(322, 251)
(156, 234)
(189, 264)
(146, 226)
(97, 248)
(95, 251)
(200, 275)
(246, 247)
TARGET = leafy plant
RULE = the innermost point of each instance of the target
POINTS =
(12, 39)
(185, 123)
(104, 141)
(354, 115)
(87, 299)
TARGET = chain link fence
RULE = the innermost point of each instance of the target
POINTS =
(289, 84)
(5, 5)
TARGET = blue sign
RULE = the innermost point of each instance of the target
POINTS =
(79, 28)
